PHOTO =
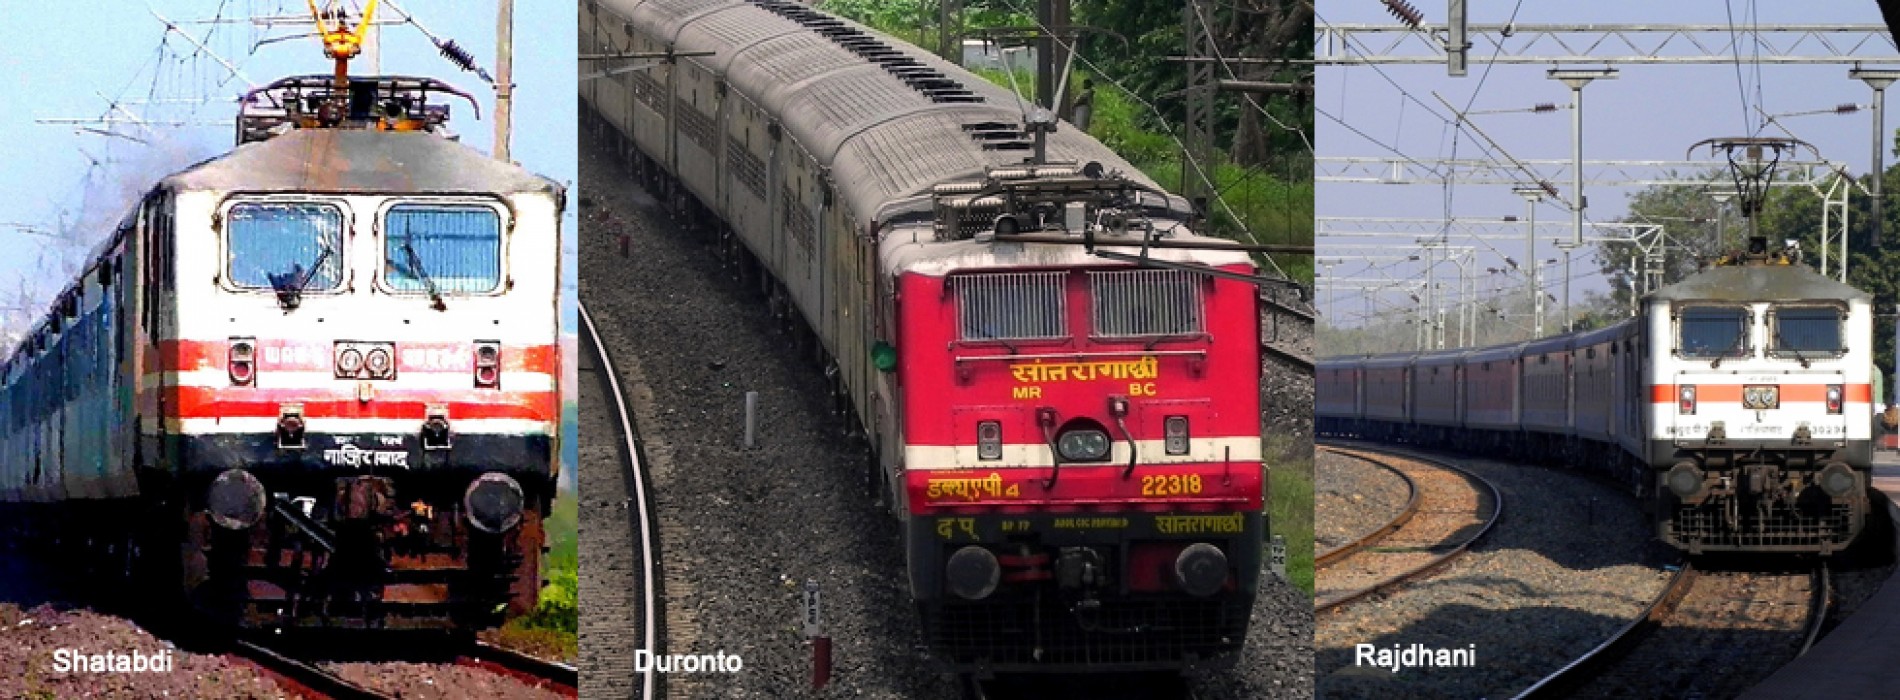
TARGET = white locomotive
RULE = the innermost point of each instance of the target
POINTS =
(1737, 403)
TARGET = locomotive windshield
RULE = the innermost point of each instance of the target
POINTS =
(286, 246)
(438, 248)
(1811, 330)
(1708, 331)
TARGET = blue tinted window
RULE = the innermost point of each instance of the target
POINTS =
(1714, 332)
(456, 247)
(286, 245)
(1798, 330)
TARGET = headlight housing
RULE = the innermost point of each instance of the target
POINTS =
(235, 500)
(1083, 445)
(493, 503)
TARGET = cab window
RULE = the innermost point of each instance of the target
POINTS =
(285, 245)
(1811, 330)
(442, 248)
(1709, 331)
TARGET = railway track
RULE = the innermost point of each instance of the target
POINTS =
(304, 678)
(1282, 307)
(532, 671)
(1332, 556)
(1708, 634)
(1446, 514)
(1269, 341)
(641, 517)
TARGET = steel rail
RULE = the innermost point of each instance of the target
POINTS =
(1422, 570)
(1580, 669)
(307, 678)
(540, 673)
(1336, 554)
(642, 511)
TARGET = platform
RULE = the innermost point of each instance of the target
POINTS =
(1857, 659)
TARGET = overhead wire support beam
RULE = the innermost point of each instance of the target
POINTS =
(172, 27)
(1398, 44)
(1395, 170)
(1471, 229)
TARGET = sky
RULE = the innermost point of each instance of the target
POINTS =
(73, 59)
(1649, 112)
(76, 59)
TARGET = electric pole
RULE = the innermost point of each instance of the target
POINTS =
(504, 77)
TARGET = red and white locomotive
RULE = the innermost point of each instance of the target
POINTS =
(1071, 442)
(312, 382)
(1737, 404)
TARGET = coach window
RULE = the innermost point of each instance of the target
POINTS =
(285, 246)
(1713, 331)
(440, 248)
(1804, 331)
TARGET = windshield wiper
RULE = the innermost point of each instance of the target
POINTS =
(1741, 339)
(291, 285)
(415, 265)
(1797, 351)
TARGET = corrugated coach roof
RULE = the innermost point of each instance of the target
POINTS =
(861, 102)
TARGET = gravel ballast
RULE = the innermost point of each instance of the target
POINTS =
(1570, 562)
(1352, 498)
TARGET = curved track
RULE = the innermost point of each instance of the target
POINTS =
(639, 509)
(1683, 641)
(1332, 556)
(1445, 517)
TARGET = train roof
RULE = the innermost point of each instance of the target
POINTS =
(359, 161)
(1752, 283)
(835, 85)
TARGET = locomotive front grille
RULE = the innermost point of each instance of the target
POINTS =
(1706, 526)
(1139, 633)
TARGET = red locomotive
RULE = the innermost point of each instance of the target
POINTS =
(1071, 442)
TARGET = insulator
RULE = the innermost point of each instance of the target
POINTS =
(1848, 108)
(457, 55)
(1405, 12)
(1544, 107)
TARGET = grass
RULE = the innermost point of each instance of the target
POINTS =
(1290, 505)
(551, 630)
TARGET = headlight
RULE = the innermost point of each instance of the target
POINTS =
(349, 362)
(1201, 569)
(493, 503)
(1761, 397)
(972, 573)
(1083, 445)
(378, 361)
(235, 500)
(1685, 480)
(1837, 479)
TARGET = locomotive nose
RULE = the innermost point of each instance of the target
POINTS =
(972, 573)
(1201, 569)
(493, 503)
